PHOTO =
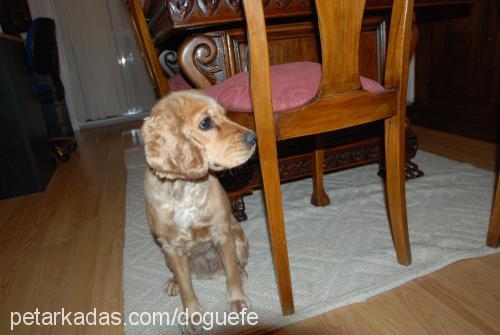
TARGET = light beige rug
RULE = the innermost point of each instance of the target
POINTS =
(339, 254)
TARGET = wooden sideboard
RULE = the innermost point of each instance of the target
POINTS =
(458, 70)
(211, 42)
(166, 17)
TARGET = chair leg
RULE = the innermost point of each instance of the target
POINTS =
(493, 239)
(276, 223)
(395, 179)
(319, 197)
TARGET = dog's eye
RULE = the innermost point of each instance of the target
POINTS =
(206, 124)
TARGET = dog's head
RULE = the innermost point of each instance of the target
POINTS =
(188, 134)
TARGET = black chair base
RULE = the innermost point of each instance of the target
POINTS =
(63, 146)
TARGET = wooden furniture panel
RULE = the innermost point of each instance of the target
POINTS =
(457, 70)
(164, 17)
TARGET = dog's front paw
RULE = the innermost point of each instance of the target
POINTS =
(193, 324)
(190, 329)
(171, 287)
(239, 304)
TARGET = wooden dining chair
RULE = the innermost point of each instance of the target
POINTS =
(238, 107)
(343, 99)
(493, 239)
(340, 102)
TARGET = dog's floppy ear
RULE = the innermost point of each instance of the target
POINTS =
(169, 152)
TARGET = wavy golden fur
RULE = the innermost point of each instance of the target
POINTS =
(186, 137)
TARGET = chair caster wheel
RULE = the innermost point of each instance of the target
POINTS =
(63, 157)
(72, 146)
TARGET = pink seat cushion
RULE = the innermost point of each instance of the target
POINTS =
(178, 83)
(293, 85)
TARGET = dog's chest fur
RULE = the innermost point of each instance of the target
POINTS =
(184, 207)
(187, 201)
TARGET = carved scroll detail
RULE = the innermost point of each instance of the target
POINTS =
(198, 59)
(168, 61)
(204, 55)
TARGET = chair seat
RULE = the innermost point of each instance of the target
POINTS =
(293, 85)
(178, 83)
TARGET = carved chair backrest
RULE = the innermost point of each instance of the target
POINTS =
(340, 29)
(212, 57)
(340, 23)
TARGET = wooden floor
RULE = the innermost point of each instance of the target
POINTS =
(63, 249)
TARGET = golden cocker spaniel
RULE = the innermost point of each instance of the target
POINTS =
(186, 138)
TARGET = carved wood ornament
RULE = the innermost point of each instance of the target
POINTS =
(180, 9)
(208, 7)
(201, 56)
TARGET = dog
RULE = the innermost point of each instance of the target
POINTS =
(186, 138)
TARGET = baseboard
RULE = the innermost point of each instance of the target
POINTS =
(113, 120)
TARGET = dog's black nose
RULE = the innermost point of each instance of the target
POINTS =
(250, 138)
